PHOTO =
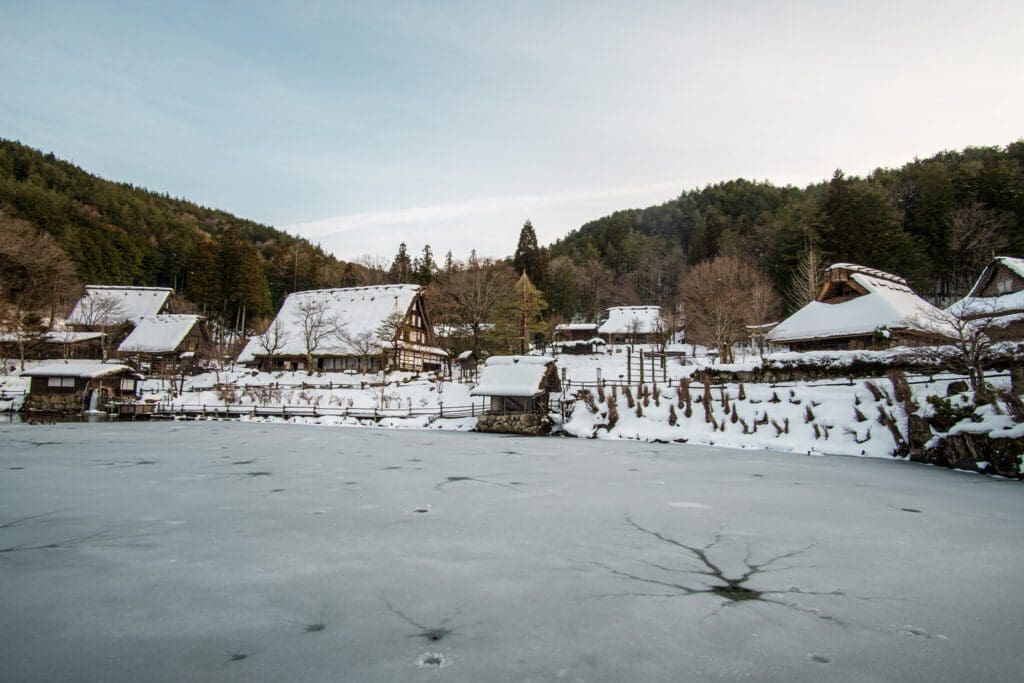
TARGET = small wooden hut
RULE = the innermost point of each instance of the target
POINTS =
(519, 388)
(467, 366)
(996, 301)
(72, 386)
(569, 332)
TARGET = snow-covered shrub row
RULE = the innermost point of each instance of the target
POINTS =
(865, 418)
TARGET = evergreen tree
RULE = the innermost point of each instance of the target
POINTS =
(520, 315)
(529, 257)
(425, 267)
(401, 271)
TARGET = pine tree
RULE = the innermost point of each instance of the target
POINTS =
(425, 267)
(401, 268)
(529, 257)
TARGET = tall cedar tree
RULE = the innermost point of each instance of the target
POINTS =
(521, 314)
(401, 271)
(530, 258)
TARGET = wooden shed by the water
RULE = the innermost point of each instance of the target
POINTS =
(519, 388)
(72, 386)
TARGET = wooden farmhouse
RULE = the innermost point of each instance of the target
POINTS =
(863, 308)
(103, 306)
(996, 301)
(167, 344)
(631, 325)
(72, 386)
(350, 330)
(519, 388)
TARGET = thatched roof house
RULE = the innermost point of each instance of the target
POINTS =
(349, 327)
(631, 325)
(996, 301)
(129, 303)
(167, 342)
(859, 308)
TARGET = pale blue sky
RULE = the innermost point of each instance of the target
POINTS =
(451, 123)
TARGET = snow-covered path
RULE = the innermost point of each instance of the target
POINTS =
(228, 551)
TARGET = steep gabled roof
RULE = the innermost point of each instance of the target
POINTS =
(135, 302)
(887, 302)
(975, 306)
(357, 311)
(514, 376)
(621, 320)
(158, 333)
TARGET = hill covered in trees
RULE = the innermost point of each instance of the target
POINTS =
(935, 221)
(116, 233)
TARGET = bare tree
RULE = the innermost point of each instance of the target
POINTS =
(365, 344)
(389, 332)
(36, 277)
(272, 340)
(471, 298)
(976, 234)
(103, 313)
(968, 349)
(317, 327)
(721, 298)
(807, 279)
(373, 269)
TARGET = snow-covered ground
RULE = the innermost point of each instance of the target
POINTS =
(259, 552)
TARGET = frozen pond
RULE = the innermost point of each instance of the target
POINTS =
(226, 551)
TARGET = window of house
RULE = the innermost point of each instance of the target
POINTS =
(1004, 285)
(60, 382)
(128, 385)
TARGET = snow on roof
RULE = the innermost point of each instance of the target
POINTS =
(512, 376)
(135, 302)
(889, 303)
(623, 320)
(565, 327)
(86, 369)
(974, 306)
(54, 337)
(358, 311)
(465, 355)
(158, 333)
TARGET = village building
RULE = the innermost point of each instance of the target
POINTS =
(167, 344)
(467, 364)
(632, 325)
(72, 386)
(863, 308)
(53, 344)
(105, 305)
(996, 301)
(519, 388)
(570, 332)
(347, 324)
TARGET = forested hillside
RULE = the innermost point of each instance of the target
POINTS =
(935, 221)
(115, 233)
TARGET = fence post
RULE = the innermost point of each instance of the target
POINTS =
(641, 366)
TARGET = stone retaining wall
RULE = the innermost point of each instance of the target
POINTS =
(528, 424)
(55, 403)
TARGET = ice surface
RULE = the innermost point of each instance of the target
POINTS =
(255, 552)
